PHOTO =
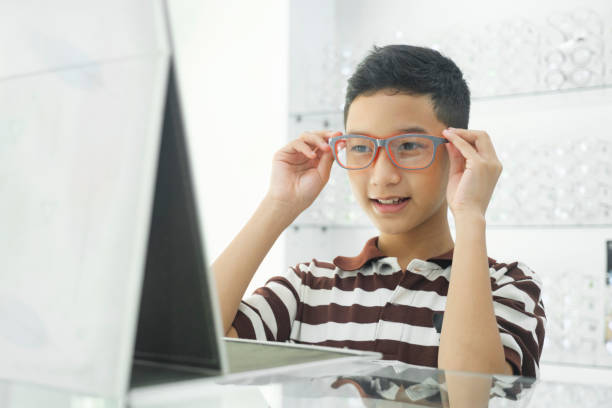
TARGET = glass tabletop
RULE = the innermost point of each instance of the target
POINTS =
(358, 384)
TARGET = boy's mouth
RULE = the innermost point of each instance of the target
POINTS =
(390, 200)
(389, 204)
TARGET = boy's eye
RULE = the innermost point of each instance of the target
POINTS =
(407, 146)
(360, 148)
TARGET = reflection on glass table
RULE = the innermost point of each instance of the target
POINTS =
(362, 384)
(365, 386)
(373, 384)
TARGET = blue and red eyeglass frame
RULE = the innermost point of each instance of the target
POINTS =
(384, 143)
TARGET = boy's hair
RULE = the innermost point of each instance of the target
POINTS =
(416, 71)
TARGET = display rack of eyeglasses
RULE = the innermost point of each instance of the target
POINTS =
(569, 185)
(560, 51)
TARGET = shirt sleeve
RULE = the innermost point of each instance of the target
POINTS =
(520, 315)
(269, 313)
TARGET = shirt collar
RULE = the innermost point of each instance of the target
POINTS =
(371, 252)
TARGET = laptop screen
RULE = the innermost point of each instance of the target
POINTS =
(176, 322)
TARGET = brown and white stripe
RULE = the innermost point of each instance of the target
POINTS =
(367, 303)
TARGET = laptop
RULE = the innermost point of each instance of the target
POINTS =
(104, 285)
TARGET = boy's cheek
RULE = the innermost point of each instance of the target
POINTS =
(356, 183)
(358, 188)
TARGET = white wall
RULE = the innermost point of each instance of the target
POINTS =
(233, 68)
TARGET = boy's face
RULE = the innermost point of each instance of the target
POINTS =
(383, 115)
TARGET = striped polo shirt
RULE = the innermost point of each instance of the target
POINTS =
(367, 303)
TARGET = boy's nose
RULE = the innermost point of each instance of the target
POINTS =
(383, 170)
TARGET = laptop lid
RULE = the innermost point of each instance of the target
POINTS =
(178, 324)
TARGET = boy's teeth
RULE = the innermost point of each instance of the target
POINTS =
(392, 201)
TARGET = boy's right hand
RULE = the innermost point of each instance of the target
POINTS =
(300, 170)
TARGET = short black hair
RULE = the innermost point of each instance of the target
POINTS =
(413, 70)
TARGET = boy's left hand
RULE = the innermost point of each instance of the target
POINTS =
(474, 171)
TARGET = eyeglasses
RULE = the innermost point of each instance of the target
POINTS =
(407, 151)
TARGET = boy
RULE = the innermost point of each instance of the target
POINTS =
(398, 296)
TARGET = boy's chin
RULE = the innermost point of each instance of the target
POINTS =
(392, 227)
(393, 231)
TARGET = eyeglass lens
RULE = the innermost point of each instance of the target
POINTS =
(409, 152)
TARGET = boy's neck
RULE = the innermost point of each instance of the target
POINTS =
(425, 241)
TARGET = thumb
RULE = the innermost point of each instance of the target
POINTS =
(327, 160)
(325, 164)
(457, 161)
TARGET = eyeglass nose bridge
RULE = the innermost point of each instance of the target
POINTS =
(382, 144)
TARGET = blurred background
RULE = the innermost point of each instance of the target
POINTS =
(256, 74)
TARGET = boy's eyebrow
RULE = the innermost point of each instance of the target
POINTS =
(413, 129)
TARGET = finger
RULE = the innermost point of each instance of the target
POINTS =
(321, 132)
(457, 161)
(468, 134)
(467, 150)
(478, 138)
(304, 148)
(318, 138)
(315, 140)
(325, 165)
(325, 134)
